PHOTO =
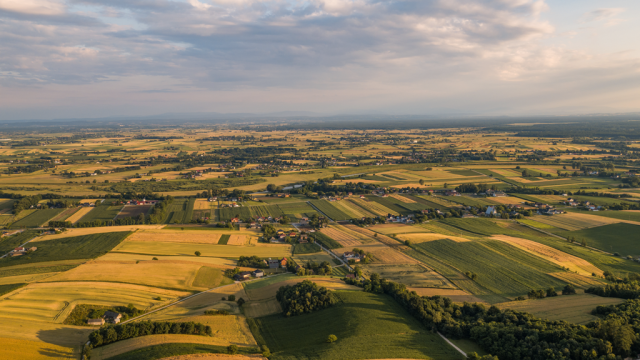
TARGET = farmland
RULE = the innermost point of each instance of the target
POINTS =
(375, 327)
(271, 170)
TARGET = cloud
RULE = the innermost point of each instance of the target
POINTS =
(379, 49)
(607, 15)
(36, 7)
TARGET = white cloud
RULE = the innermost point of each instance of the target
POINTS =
(36, 7)
(606, 15)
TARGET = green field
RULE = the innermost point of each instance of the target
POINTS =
(79, 247)
(167, 350)
(102, 213)
(306, 248)
(613, 214)
(35, 270)
(619, 238)
(500, 268)
(368, 326)
(5, 289)
(397, 205)
(224, 239)
(37, 219)
(180, 211)
(295, 208)
(329, 210)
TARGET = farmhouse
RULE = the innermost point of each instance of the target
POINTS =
(112, 317)
(244, 275)
(349, 255)
(257, 273)
(273, 264)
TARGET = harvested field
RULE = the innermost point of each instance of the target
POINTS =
(202, 204)
(79, 214)
(387, 255)
(162, 274)
(352, 209)
(168, 248)
(192, 237)
(389, 229)
(455, 295)
(412, 275)
(237, 240)
(572, 308)
(424, 237)
(52, 302)
(342, 238)
(197, 305)
(208, 261)
(133, 211)
(14, 349)
(506, 200)
(95, 230)
(88, 201)
(254, 309)
(548, 253)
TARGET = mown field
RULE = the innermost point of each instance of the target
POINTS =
(102, 213)
(208, 250)
(368, 326)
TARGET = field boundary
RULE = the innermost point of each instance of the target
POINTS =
(452, 344)
(560, 237)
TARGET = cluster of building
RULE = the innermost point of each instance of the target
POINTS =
(281, 236)
(270, 263)
(20, 250)
(352, 256)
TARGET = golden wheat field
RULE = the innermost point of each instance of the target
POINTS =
(574, 263)
(95, 230)
(341, 237)
(191, 258)
(203, 204)
(79, 214)
(402, 198)
(425, 237)
(14, 349)
(193, 237)
(237, 240)
(170, 248)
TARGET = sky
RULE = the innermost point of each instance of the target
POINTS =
(101, 58)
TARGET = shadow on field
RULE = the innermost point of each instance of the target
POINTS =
(65, 336)
(52, 353)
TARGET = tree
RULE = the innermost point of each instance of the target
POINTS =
(232, 349)
(232, 298)
(332, 338)
(198, 253)
(265, 351)
(569, 290)
(240, 302)
(407, 242)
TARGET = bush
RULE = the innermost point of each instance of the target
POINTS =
(265, 351)
(232, 349)
(332, 338)
(232, 298)
(569, 290)
(198, 253)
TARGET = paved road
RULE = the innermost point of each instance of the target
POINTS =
(450, 343)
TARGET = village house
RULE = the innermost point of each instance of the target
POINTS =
(244, 275)
(112, 317)
(257, 273)
(349, 255)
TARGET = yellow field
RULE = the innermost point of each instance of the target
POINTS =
(237, 240)
(506, 200)
(389, 229)
(14, 349)
(79, 214)
(52, 302)
(19, 279)
(88, 201)
(372, 235)
(343, 238)
(455, 295)
(387, 255)
(96, 230)
(425, 237)
(574, 263)
(193, 237)
(168, 248)
(572, 308)
(202, 204)
(202, 260)
(215, 357)
(166, 274)
(351, 209)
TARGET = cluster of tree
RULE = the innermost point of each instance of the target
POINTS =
(627, 318)
(138, 220)
(304, 297)
(159, 210)
(317, 222)
(252, 261)
(471, 275)
(110, 334)
(216, 312)
(313, 268)
(60, 224)
(25, 203)
(368, 221)
(541, 294)
(629, 290)
(509, 334)
(474, 188)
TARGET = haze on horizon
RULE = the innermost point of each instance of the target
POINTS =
(97, 58)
